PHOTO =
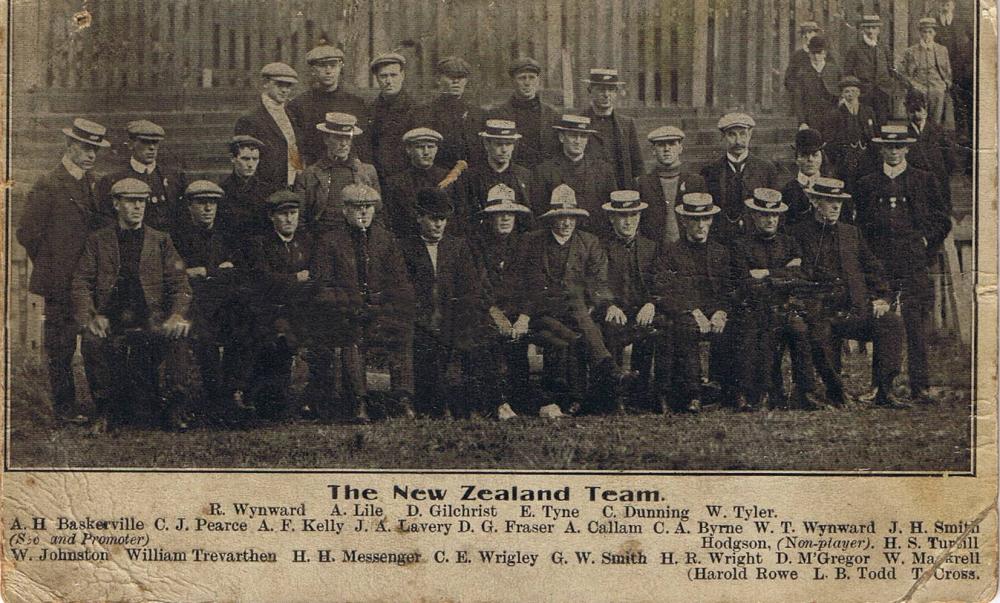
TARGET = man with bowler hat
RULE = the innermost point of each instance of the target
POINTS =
(810, 160)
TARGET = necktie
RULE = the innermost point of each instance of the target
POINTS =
(365, 258)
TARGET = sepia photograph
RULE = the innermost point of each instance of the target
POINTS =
(718, 236)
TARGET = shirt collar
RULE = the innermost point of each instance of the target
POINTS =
(430, 242)
(805, 181)
(926, 46)
(74, 170)
(893, 171)
(561, 240)
(142, 168)
(737, 160)
(870, 43)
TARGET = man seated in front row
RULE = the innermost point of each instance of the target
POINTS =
(692, 280)
(130, 294)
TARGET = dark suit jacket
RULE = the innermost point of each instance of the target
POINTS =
(654, 217)
(388, 120)
(934, 152)
(59, 213)
(399, 198)
(459, 122)
(273, 265)
(168, 186)
(457, 285)
(530, 151)
(242, 213)
(628, 140)
(310, 108)
(583, 281)
(592, 179)
(494, 257)
(161, 273)
(754, 252)
(630, 288)
(757, 172)
(273, 168)
(814, 95)
(875, 73)
(684, 283)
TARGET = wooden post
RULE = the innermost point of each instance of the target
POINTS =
(649, 47)
(700, 60)
(567, 79)
(668, 16)
(553, 41)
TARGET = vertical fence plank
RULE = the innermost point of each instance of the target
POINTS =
(699, 75)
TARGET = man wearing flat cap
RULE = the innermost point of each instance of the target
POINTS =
(391, 114)
(665, 184)
(242, 213)
(363, 255)
(927, 69)
(815, 89)
(165, 206)
(870, 61)
(269, 122)
(629, 319)
(499, 140)
(421, 147)
(130, 297)
(852, 126)
(564, 281)
(768, 319)
(615, 140)
(453, 116)
(590, 177)
(321, 183)
(329, 94)
(732, 178)
(858, 303)
(692, 281)
(218, 320)
(533, 117)
(62, 208)
(450, 309)
(901, 208)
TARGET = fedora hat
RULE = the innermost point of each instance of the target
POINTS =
(500, 198)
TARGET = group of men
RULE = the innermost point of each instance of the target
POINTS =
(443, 240)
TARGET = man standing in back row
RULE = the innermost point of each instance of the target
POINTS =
(533, 117)
(616, 140)
(270, 123)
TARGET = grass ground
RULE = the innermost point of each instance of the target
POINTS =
(929, 438)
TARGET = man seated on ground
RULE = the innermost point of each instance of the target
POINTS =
(858, 307)
(693, 283)
(130, 295)
(763, 263)
(631, 257)
(493, 247)
(564, 274)
(361, 254)
(449, 307)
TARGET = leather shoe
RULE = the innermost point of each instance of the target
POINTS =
(406, 408)
(809, 401)
(889, 400)
(694, 406)
(361, 413)
(742, 405)
(922, 396)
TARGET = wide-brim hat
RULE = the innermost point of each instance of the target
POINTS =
(894, 135)
(625, 202)
(574, 123)
(608, 77)
(89, 132)
(343, 124)
(500, 206)
(766, 200)
(828, 188)
(563, 203)
(501, 129)
(697, 205)
(557, 212)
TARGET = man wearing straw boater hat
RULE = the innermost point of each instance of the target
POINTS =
(616, 140)
(499, 141)
(629, 319)
(493, 247)
(764, 323)
(902, 209)
(858, 303)
(591, 178)
(693, 284)
(61, 209)
(321, 183)
(564, 278)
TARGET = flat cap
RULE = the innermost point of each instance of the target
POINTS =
(360, 194)
(766, 200)
(145, 130)
(89, 132)
(422, 134)
(927, 23)
(453, 66)
(736, 120)
(625, 202)
(665, 133)
(203, 190)
(697, 204)
(574, 123)
(500, 128)
(344, 124)
(603, 76)
(387, 58)
(849, 81)
(131, 188)
(524, 64)
(282, 199)
(245, 140)
(324, 54)
(279, 72)
(809, 26)
(871, 21)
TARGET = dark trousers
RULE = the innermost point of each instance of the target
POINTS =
(432, 357)
(504, 374)
(124, 373)
(337, 379)
(643, 341)
(762, 337)
(881, 104)
(885, 333)
(59, 339)
(274, 347)
(681, 360)
(916, 302)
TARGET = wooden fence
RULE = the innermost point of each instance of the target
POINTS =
(674, 54)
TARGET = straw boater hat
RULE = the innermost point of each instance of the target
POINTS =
(344, 124)
(574, 123)
(697, 205)
(500, 198)
(603, 76)
(895, 135)
(624, 202)
(89, 132)
(827, 188)
(563, 203)
(766, 200)
(502, 129)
